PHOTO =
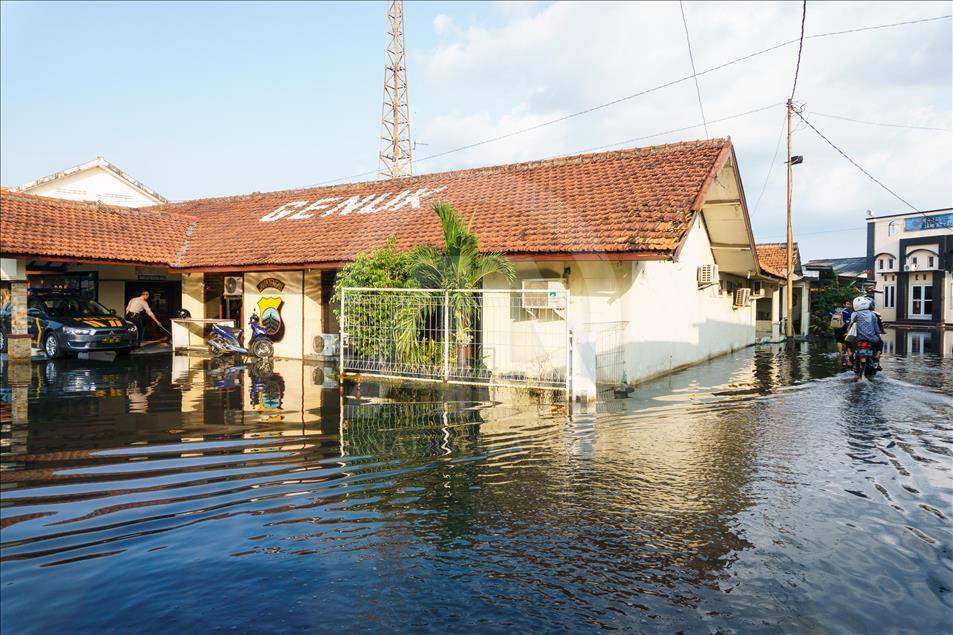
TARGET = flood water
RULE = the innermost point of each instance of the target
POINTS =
(760, 492)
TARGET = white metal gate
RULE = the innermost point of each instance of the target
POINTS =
(499, 337)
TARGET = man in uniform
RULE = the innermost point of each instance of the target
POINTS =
(136, 312)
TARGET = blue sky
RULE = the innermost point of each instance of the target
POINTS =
(204, 99)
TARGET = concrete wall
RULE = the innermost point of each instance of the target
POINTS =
(672, 322)
(94, 184)
(291, 296)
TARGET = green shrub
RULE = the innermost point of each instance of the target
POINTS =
(821, 302)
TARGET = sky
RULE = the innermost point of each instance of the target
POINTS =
(207, 99)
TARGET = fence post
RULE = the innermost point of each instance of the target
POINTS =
(343, 340)
(569, 346)
(446, 336)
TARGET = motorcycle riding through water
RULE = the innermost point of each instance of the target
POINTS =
(225, 340)
(864, 338)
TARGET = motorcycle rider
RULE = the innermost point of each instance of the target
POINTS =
(869, 326)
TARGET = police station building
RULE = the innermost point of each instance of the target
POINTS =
(655, 240)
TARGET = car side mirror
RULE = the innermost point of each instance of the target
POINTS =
(112, 311)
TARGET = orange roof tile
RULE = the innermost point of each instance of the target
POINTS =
(773, 259)
(637, 201)
(39, 226)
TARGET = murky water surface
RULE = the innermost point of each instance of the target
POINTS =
(761, 492)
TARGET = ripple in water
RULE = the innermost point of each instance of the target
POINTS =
(763, 491)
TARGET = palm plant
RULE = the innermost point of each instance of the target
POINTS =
(458, 265)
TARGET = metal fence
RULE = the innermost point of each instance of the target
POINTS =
(496, 337)
(609, 338)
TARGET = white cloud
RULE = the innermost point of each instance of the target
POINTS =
(442, 23)
(543, 61)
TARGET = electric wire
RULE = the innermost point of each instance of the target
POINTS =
(800, 47)
(674, 130)
(858, 166)
(878, 123)
(691, 58)
(777, 148)
(644, 92)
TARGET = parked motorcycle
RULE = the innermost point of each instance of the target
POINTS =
(225, 340)
(864, 363)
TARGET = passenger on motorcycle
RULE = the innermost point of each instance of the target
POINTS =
(869, 326)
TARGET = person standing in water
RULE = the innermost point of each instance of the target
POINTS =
(136, 312)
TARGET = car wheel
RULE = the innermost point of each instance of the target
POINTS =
(51, 346)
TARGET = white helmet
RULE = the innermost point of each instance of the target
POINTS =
(862, 303)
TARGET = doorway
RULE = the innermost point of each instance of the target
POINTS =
(921, 301)
(165, 300)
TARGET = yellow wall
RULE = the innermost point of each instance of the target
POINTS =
(193, 294)
(312, 309)
(292, 296)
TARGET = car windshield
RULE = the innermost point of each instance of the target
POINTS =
(61, 307)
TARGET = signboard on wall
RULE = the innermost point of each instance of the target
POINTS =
(925, 223)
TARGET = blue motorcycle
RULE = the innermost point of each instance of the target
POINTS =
(225, 340)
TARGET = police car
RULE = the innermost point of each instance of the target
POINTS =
(60, 323)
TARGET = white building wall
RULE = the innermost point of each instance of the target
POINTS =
(94, 184)
(672, 322)
(888, 232)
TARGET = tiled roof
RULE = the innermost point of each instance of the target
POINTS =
(639, 200)
(773, 259)
(40, 226)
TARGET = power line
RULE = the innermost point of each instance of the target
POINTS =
(777, 147)
(857, 165)
(800, 47)
(815, 233)
(682, 129)
(877, 123)
(644, 92)
(691, 58)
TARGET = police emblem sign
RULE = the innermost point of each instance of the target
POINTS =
(269, 308)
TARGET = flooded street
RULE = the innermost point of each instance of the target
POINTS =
(763, 491)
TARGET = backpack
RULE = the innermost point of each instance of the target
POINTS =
(837, 320)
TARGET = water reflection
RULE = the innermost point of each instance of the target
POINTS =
(760, 491)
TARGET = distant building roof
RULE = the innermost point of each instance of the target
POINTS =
(845, 267)
(773, 259)
(98, 162)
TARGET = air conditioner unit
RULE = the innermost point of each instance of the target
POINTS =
(910, 267)
(707, 275)
(233, 287)
(326, 345)
(743, 297)
(544, 293)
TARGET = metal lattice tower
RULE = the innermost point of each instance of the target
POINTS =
(396, 145)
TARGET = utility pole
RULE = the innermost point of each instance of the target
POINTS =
(789, 299)
(396, 146)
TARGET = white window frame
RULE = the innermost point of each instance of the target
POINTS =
(922, 315)
(890, 296)
(892, 228)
